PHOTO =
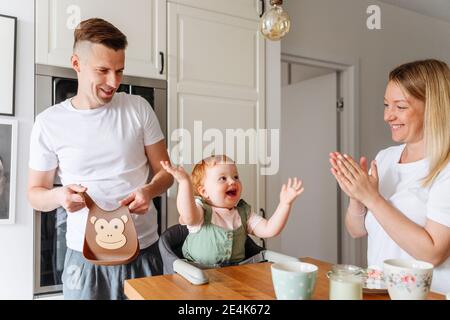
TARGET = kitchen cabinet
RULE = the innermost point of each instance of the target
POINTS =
(142, 21)
(248, 9)
(216, 80)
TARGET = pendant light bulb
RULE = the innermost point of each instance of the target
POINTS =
(275, 23)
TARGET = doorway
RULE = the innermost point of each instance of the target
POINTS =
(318, 115)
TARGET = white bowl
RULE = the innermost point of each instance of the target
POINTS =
(408, 279)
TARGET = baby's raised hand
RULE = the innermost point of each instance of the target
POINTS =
(290, 191)
(177, 172)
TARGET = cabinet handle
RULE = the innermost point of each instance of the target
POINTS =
(263, 214)
(162, 62)
(263, 8)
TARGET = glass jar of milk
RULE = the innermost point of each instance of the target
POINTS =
(346, 282)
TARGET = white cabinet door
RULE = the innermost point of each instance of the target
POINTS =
(142, 21)
(249, 9)
(216, 81)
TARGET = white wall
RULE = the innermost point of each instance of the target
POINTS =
(16, 241)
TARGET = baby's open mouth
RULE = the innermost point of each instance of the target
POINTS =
(231, 193)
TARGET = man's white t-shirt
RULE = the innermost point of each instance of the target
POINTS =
(401, 185)
(101, 149)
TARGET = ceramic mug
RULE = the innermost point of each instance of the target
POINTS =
(408, 279)
(294, 280)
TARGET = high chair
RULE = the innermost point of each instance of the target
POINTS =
(171, 243)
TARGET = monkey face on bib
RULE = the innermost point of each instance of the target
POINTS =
(110, 234)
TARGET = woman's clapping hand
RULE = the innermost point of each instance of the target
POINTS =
(354, 179)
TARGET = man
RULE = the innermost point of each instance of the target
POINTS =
(104, 144)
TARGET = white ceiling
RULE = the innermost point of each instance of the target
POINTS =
(439, 9)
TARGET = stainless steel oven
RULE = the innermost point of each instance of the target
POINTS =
(53, 85)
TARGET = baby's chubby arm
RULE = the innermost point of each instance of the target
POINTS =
(190, 214)
(273, 226)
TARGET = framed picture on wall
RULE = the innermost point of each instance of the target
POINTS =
(8, 170)
(8, 28)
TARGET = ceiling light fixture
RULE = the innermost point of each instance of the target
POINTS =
(275, 23)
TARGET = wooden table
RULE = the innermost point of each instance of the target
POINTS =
(246, 282)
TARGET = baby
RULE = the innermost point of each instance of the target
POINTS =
(217, 218)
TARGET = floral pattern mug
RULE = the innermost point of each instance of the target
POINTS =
(408, 279)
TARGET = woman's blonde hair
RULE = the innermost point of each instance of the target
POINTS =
(199, 171)
(429, 82)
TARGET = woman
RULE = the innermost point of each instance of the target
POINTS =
(403, 203)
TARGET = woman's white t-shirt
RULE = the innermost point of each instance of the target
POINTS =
(401, 185)
(103, 150)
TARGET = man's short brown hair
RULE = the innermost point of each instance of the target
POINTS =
(100, 31)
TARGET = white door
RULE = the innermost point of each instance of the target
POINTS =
(142, 21)
(308, 134)
(215, 77)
